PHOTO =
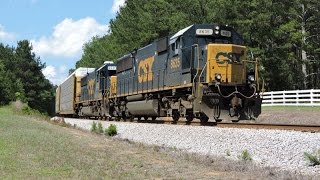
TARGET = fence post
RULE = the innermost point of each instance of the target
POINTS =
(283, 97)
(311, 97)
(297, 97)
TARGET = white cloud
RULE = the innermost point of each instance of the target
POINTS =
(55, 75)
(68, 37)
(49, 72)
(4, 34)
(117, 4)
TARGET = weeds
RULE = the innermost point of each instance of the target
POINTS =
(100, 128)
(111, 130)
(245, 156)
(94, 127)
(313, 159)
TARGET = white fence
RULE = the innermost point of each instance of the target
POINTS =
(292, 98)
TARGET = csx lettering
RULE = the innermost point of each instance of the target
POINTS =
(175, 63)
(91, 87)
(230, 57)
(145, 70)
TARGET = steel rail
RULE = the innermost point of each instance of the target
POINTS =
(250, 125)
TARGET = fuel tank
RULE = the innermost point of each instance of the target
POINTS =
(144, 107)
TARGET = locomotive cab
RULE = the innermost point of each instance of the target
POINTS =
(103, 76)
(225, 86)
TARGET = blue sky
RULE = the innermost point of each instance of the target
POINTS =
(57, 29)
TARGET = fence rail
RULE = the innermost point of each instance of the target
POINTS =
(292, 98)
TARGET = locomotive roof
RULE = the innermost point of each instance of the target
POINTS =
(192, 28)
(80, 72)
(179, 33)
(107, 63)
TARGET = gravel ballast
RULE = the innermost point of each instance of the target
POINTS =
(281, 149)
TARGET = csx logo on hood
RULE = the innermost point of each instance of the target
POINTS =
(229, 57)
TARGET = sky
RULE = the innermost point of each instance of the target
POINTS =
(57, 29)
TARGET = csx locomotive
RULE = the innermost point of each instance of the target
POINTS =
(200, 72)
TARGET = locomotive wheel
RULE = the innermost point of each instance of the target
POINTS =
(204, 118)
(175, 116)
(139, 118)
(189, 117)
(145, 117)
(108, 118)
(154, 118)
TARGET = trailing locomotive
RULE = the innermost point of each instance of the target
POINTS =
(199, 72)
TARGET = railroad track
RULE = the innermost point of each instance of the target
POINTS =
(250, 125)
(295, 127)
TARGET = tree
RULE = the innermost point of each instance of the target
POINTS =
(21, 78)
(271, 29)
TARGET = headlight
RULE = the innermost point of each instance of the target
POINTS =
(216, 32)
(251, 78)
(218, 77)
(217, 28)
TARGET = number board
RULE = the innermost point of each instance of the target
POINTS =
(204, 32)
(225, 33)
(112, 67)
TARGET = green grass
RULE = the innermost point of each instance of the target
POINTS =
(32, 149)
(37, 149)
(245, 156)
(313, 158)
(111, 130)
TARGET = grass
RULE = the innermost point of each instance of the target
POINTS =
(245, 156)
(111, 130)
(33, 149)
(94, 127)
(313, 158)
(36, 149)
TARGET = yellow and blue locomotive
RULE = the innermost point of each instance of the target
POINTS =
(200, 72)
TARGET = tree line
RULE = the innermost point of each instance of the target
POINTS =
(283, 35)
(21, 78)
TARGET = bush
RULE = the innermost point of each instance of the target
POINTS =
(111, 130)
(94, 127)
(27, 110)
(245, 156)
(313, 159)
(100, 128)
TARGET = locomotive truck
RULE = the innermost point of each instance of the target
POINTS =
(202, 72)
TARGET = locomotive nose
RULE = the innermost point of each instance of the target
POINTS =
(225, 63)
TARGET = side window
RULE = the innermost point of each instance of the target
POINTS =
(177, 43)
(175, 46)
